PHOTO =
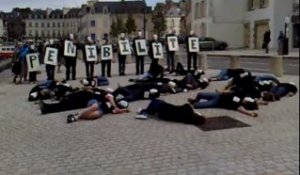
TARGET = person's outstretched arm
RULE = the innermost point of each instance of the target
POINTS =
(242, 110)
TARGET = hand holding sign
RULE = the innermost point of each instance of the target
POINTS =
(173, 43)
(157, 51)
(124, 47)
(91, 53)
(69, 49)
(141, 47)
(106, 52)
(51, 56)
(193, 44)
(33, 62)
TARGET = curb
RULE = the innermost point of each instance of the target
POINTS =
(6, 64)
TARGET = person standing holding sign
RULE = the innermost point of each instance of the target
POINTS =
(90, 57)
(50, 59)
(70, 54)
(155, 53)
(140, 50)
(171, 46)
(192, 48)
(106, 57)
(124, 50)
(33, 63)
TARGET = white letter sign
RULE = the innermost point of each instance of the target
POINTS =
(69, 49)
(51, 56)
(141, 47)
(91, 53)
(33, 62)
(106, 52)
(124, 47)
(194, 44)
(173, 43)
(157, 51)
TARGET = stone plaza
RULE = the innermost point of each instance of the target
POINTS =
(35, 144)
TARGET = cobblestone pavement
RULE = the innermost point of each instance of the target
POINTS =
(35, 144)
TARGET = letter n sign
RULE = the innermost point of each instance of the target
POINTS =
(51, 56)
(69, 49)
(157, 51)
(33, 62)
(124, 47)
(91, 53)
(106, 52)
(194, 44)
(141, 47)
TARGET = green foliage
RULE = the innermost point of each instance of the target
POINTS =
(158, 19)
(130, 24)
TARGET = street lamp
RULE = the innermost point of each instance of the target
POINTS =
(286, 34)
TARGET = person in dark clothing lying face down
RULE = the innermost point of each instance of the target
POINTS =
(229, 100)
(169, 112)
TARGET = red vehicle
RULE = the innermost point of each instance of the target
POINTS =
(7, 51)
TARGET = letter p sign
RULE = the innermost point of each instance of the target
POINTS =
(33, 62)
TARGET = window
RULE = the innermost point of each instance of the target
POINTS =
(30, 24)
(53, 24)
(197, 10)
(36, 33)
(202, 9)
(58, 24)
(53, 34)
(105, 10)
(250, 4)
(263, 3)
(48, 24)
(173, 23)
(36, 24)
(93, 23)
(42, 24)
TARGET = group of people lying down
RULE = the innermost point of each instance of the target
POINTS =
(244, 93)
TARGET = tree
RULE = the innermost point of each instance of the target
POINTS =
(121, 26)
(158, 19)
(114, 29)
(130, 24)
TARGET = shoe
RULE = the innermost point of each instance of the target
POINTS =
(140, 111)
(141, 117)
(71, 118)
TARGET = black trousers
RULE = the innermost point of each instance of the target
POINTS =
(192, 55)
(106, 64)
(139, 64)
(70, 63)
(122, 64)
(32, 76)
(76, 100)
(89, 69)
(50, 70)
(171, 61)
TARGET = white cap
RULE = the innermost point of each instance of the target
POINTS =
(123, 104)
(110, 90)
(153, 91)
(172, 84)
(249, 99)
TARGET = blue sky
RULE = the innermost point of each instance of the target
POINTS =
(7, 5)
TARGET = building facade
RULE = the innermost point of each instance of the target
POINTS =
(1, 27)
(241, 23)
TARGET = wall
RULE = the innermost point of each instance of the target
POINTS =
(232, 33)
(176, 25)
(1, 27)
